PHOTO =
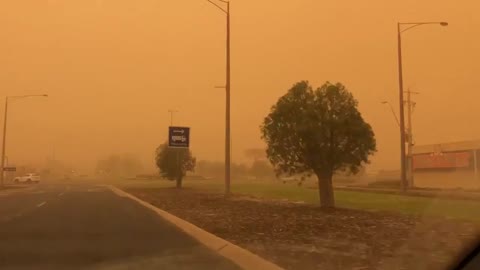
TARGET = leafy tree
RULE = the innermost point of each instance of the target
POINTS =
(318, 131)
(174, 163)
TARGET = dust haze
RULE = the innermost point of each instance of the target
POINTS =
(113, 69)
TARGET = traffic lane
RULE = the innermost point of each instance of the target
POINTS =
(23, 200)
(15, 204)
(96, 229)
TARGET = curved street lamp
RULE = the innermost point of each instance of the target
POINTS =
(400, 30)
(5, 131)
(393, 111)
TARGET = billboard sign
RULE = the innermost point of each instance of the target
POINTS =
(179, 137)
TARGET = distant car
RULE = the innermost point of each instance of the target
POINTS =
(28, 178)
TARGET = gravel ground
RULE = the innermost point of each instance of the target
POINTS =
(301, 236)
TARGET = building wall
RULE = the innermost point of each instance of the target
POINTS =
(464, 179)
(447, 147)
(463, 176)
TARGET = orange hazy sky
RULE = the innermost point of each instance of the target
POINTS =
(114, 68)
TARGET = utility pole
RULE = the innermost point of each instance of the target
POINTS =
(227, 97)
(4, 142)
(403, 176)
(410, 144)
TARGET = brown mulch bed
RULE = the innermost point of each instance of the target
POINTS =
(300, 236)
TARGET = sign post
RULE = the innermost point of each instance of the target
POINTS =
(179, 137)
(9, 169)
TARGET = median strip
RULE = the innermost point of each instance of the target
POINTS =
(234, 253)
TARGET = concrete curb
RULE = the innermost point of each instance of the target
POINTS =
(243, 258)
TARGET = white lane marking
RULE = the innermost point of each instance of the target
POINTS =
(41, 204)
(61, 194)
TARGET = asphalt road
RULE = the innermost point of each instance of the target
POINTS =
(82, 226)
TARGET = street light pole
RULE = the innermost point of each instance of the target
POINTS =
(2, 167)
(227, 101)
(403, 171)
(227, 113)
(410, 105)
(403, 177)
(171, 116)
(4, 142)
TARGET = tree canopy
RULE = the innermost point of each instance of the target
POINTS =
(174, 163)
(318, 131)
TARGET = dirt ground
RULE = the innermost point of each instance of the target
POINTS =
(300, 236)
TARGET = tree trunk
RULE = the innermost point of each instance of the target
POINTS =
(325, 190)
(179, 170)
(179, 182)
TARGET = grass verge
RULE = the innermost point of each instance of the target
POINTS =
(420, 206)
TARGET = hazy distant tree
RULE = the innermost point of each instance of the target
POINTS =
(262, 169)
(318, 131)
(55, 168)
(217, 168)
(119, 165)
(255, 153)
(210, 168)
(174, 163)
(239, 169)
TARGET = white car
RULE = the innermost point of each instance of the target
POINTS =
(28, 178)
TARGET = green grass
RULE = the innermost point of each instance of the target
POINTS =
(424, 206)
